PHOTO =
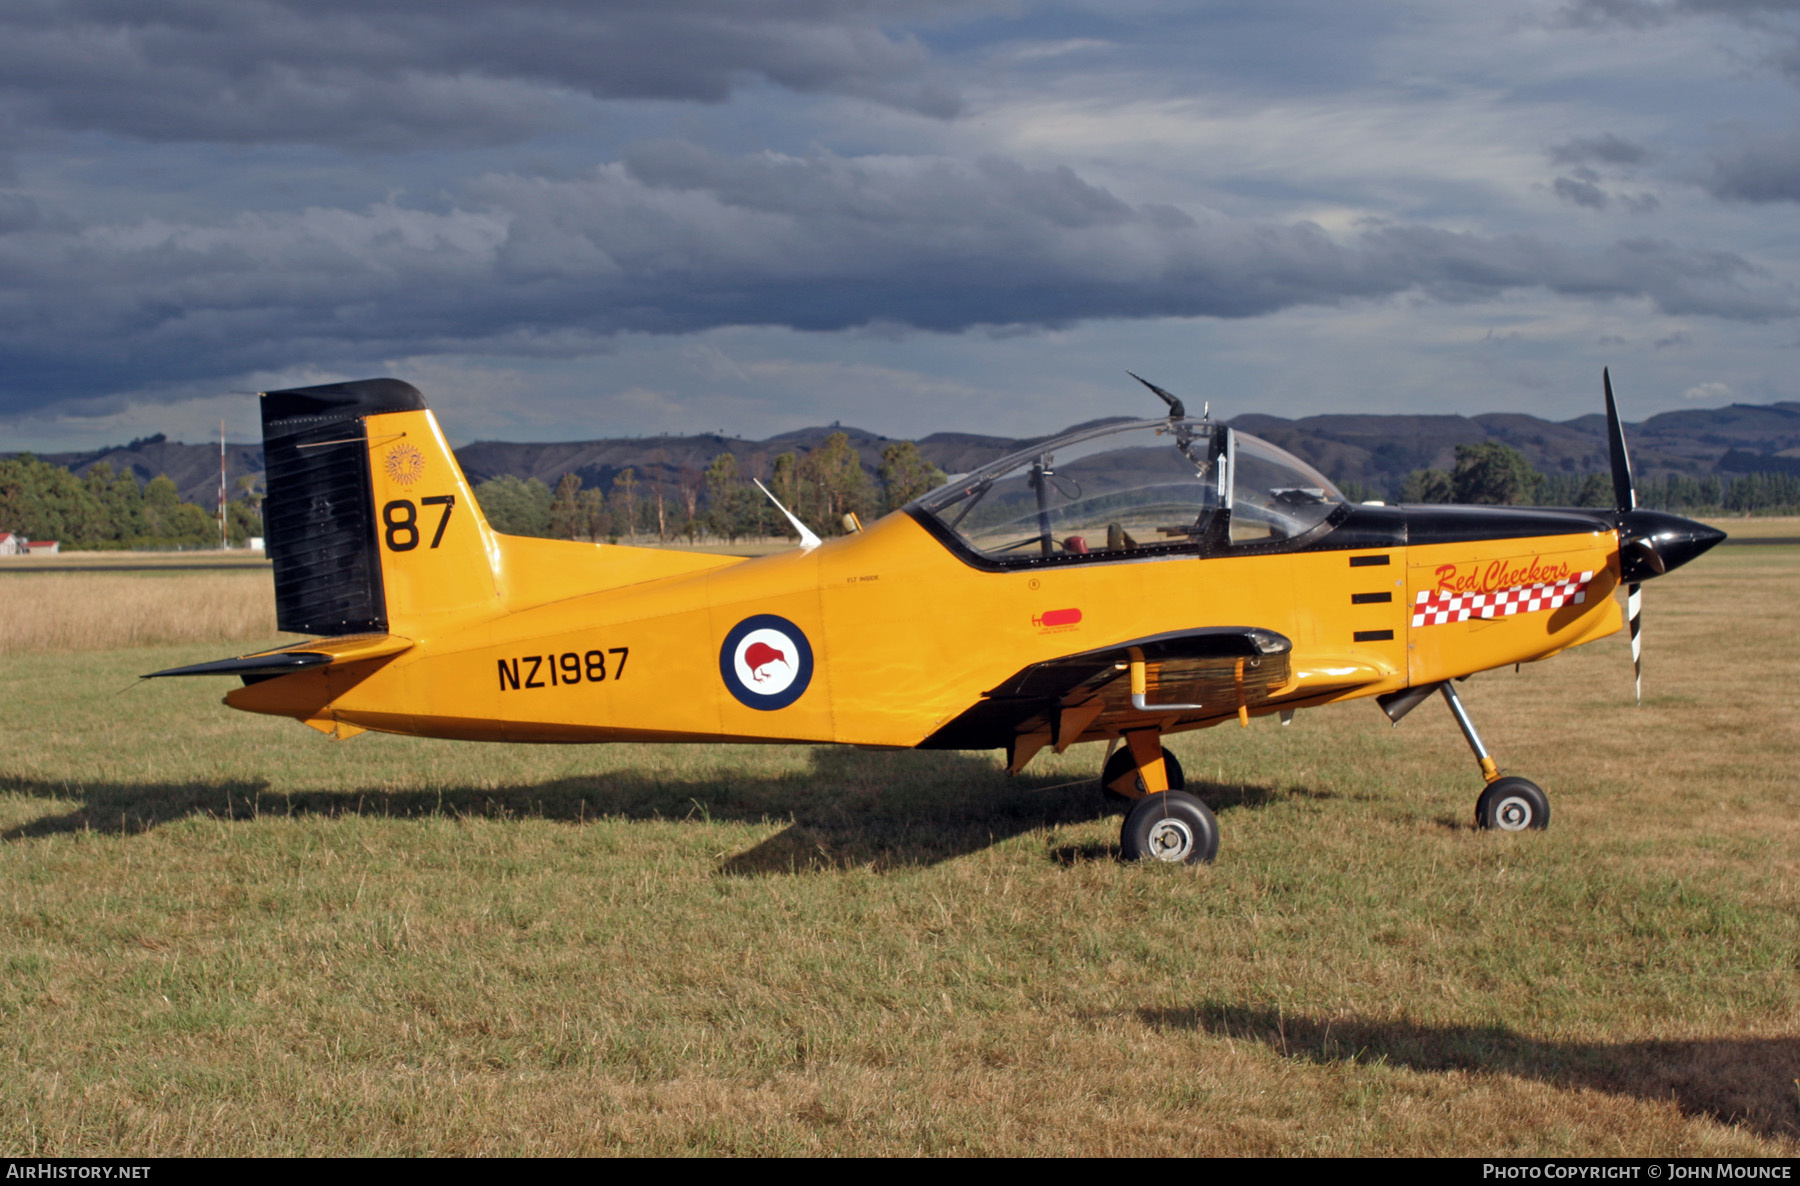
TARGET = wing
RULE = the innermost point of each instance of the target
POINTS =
(1192, 678)
(1088, 694)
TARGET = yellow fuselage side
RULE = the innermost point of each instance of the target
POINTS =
(905, 635)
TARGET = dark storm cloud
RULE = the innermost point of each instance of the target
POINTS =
(1758, 171)
(1643, 13)
(678, 240)
(1581, 190)
(1778, 21)
(1603, 149)
(398, 73)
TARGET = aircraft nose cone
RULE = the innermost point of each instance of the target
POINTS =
(1654, 542)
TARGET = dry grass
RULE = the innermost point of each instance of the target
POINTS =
(224, 934)
(1759, 526)
(171, 561)
(68, 612)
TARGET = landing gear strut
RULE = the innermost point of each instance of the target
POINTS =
(1164, 823)
(1122, 766)
(1507, 804)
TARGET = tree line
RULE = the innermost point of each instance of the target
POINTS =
(823, 487)
(1499, 475)
(104, 509)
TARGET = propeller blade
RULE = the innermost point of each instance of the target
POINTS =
(1625, 501)
(1634, 606)
(1624, 493)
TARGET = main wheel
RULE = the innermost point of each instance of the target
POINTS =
(1171, 826)
(1122, 761)
(1512, 805)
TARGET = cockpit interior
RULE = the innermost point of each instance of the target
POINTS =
(1132, 490)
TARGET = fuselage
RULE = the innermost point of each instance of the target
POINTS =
(905, 634)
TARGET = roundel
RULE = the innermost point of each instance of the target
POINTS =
(766, 662)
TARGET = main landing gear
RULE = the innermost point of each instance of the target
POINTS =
(1509, 804)
(1164, 823)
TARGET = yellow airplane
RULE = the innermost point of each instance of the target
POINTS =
(1114, 584)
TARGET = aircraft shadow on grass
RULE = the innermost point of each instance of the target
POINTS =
(853, 808)
(1750, 1082)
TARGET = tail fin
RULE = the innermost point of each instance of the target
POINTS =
(370, 523)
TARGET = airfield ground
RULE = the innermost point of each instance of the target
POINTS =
(225, 934)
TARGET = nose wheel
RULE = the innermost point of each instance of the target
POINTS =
(1508, 804)
(1512, 805)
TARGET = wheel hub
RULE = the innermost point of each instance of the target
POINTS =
(1513, 814)
(1171, 840)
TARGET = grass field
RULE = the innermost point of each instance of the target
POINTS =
(225, 934)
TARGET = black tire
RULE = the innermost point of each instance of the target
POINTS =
(1121, 761)
(1512, 805)
(1172, 826)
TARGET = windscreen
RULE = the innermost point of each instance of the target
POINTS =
(1275, 495)
(1138, 488)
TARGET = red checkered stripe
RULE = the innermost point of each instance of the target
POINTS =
(1435, 607)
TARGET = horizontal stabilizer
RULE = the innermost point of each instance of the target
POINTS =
(303, 656)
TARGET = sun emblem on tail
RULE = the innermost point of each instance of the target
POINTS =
(405, 464)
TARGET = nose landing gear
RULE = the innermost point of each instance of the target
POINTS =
(1509, 804)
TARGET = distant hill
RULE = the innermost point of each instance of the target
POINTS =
(596, 463)
(193, 468)
(1382, 450)
(1377, 451)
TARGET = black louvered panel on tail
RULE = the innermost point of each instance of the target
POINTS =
(320, 528)
(319, 517)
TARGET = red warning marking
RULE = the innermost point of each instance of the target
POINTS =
(1057, 617)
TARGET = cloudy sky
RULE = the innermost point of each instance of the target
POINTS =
(579, 218)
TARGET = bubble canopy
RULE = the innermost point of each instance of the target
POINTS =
(1133, 490)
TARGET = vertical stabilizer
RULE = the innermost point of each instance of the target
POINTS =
(370, 523)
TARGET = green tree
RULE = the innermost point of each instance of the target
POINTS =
(1426, 485)
(905, 474)
(1574, 490)
(567, 521)
(596, 520)
(832, 484)
(728, 499)
(242, 520)
(243, 514)
(784, 483)
(45, 501)
(121, 504)
(172, 523)
(625, 487)
(515, 507)
(690, 484)
(1492, 474)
